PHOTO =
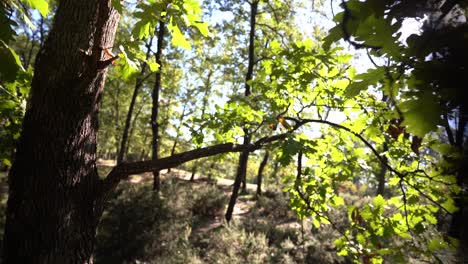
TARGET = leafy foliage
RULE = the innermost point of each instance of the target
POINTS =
(393, 134)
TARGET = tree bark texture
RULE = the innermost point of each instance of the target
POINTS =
(155, 108)
(54, 203)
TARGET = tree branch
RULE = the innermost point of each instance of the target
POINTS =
(124, 170)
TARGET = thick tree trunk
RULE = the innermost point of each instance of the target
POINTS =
(260, 172)
(138, 84)
(54, 200)
(155, 108)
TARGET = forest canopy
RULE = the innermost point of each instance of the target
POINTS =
(232, 87)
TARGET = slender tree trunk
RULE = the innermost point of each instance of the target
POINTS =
(174, 145)
(194, 171)
(155, 109)
(54, 200)
(210, 170)
(244, 156)
(260, 172)
(237, 182)
(275, 169)
(138, 84)
(382, 173)
(133, 125)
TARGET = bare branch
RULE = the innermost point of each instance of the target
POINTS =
(123, 170)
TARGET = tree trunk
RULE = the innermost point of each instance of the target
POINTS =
(176, 140)
(260, 172)
(54, 200)
(155, 109)
(194, 171)
(138, 84)
(210, 170)
(237, 182)
(458, 228)
(244, 157)
(275, 169)
(382, 173)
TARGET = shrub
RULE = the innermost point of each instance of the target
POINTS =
(234, 245)
(140, 225)
(208, 201)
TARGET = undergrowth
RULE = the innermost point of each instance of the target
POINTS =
(140, 226)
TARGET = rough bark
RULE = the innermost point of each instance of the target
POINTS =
(138, 84)
(155, 107)
(260, 172)
(54, 203)
(56, 196)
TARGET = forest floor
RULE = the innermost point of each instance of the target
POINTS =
(244, 203)
(261, 227)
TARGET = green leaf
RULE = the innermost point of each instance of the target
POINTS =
(117, 5)
(203, 28)
(335, 34)
(316, 223)
(343, 252)
(450, 206)
(371, 77)
(421, 115)
(153, 66)
(127, 66)
(337, 201)
(10, 63)
(355, 88)
(142, 29)
(41, 5)
(7, 162)
(360, 239)
(178, 39)
(379, 201)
